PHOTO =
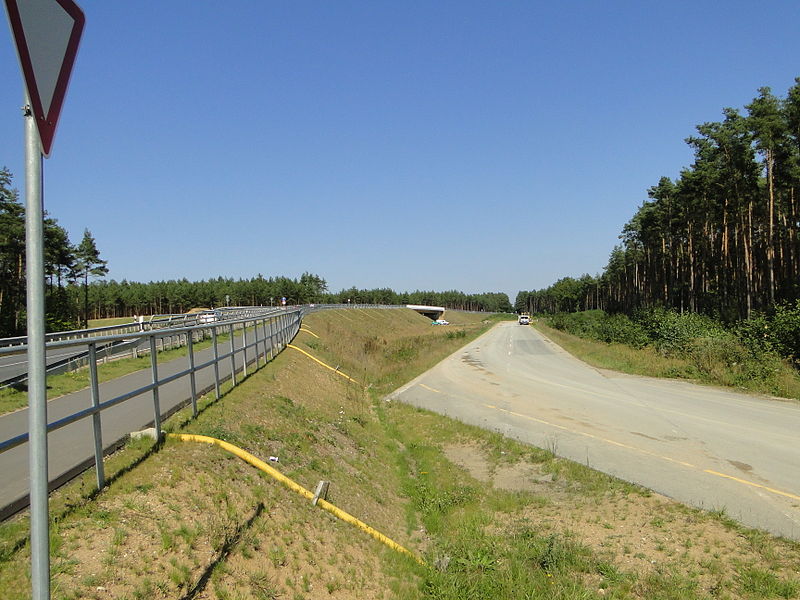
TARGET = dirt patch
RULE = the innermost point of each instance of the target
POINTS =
(513, 477)
(642, 532)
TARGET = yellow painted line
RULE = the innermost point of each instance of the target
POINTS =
(750, 483)
(309, 331)
(422, 385)
(647, 452)
(337, 371)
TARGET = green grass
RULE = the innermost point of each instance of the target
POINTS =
(108, 322)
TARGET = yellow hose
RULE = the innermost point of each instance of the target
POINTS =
(337, 371)
(274, 473)
(307, 330)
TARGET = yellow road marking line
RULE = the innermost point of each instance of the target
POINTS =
(429, 388)
(337, 371)
(750, 483)
(647, 452)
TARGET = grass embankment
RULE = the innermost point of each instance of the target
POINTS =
(773, 376)
(493, 518)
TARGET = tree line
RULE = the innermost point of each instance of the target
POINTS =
(721, 239)
(121, 299)
(65, 264)
(76, 293)
(455, 300)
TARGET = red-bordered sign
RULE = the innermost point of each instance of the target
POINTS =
(47, 33)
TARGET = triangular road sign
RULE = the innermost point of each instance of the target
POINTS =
(46, 33)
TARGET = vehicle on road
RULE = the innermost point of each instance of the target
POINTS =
(524, 320)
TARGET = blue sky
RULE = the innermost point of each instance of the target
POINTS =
(479, 146)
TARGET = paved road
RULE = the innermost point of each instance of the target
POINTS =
(706, 447)
(72, 446)
(15, 365)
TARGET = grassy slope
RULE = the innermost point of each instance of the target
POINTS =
(188, 520)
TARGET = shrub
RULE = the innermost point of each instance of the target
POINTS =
(620, 329)
(710, 353)
(672, 333)
(785, 332)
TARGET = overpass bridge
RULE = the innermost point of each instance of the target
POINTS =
(432, 312)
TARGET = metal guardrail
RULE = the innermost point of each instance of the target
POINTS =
(271, 328)
(151, 322)
(129, 347)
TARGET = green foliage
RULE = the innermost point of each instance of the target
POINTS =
(673, 333)
(764, 584)
(59, 265)
(597, 325)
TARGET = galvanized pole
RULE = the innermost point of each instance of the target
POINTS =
(193, 384)
(96, 423)
(233, 356)
(37, 366)
(244, 347)
(154, 371)
(272, 338)
(264, 338)
(216, 362)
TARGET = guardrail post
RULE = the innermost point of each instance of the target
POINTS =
(272, 338)
(244, 346)
(98, 430)
(264, 338)
(156, 403)
(192, 384)
(233, 356)
(216, 361)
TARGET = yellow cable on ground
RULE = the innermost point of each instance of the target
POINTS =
(271, 471)
(307, 330)
(337, 371)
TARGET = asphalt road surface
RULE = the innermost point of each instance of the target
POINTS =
(15, 365)
(703, 446)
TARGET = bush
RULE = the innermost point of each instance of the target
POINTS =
(755, 334)
(620, 329)
(785, 332)
(582, 324)
(779, 333)
(710, 353)
(672, 333)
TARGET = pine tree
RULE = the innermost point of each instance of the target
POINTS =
(88, 264)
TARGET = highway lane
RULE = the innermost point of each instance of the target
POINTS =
(15, 365)
(707, 447)
(73, 445)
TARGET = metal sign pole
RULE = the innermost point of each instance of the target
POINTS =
(37, 384)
